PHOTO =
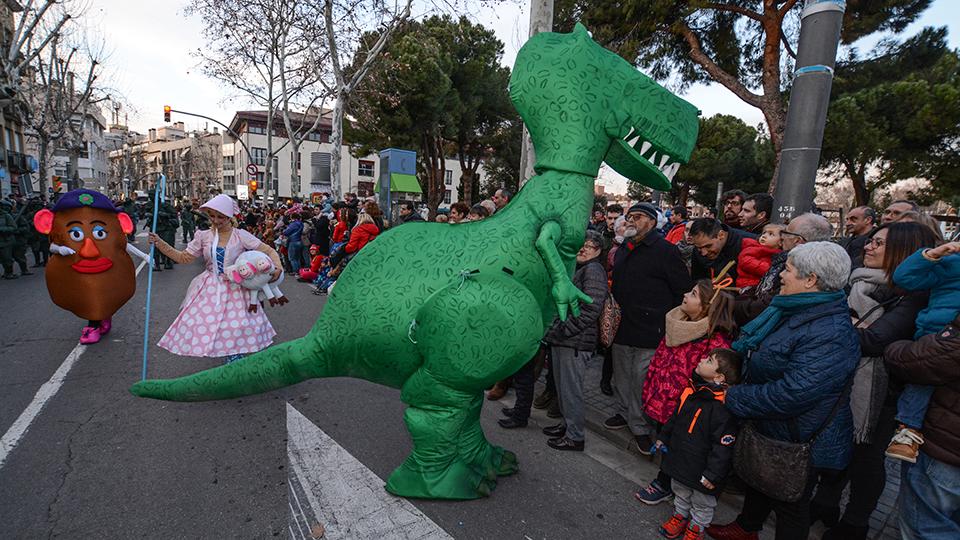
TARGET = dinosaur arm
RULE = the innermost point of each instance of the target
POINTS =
(565, 293)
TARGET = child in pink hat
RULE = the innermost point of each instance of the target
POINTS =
(214, 319)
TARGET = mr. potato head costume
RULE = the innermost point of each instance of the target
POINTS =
(90, 272)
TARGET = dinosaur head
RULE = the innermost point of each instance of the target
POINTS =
(584, 105)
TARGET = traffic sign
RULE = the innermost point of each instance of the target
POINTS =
(252, 169)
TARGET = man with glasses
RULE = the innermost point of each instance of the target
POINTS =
(649, 279)
(897, 210)
(801, 229)
(731, 203)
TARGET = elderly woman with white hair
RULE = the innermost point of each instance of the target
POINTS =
(799, 358)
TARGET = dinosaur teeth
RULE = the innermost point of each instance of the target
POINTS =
(663, 161)
(671, 171)
(644, 147)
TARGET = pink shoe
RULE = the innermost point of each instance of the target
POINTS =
(105, 326)
(89, 335)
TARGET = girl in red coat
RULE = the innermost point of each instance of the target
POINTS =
(365, 231)
(755, 256)
(316, 259)
(703, 322)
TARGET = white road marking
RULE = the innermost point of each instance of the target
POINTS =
(49, 389)
(346, 497)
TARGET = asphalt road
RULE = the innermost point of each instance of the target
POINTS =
(98, 463)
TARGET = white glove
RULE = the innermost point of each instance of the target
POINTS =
(61, 250)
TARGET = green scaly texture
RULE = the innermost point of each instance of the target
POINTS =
(442, 312)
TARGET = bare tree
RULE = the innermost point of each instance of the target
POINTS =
(263, 50)
(347, 22)
(57, 97)
(35, 27)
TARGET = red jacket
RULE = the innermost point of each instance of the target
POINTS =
(753, 262)
(339, 232)
(360, 236)
(315, 263)
(676, 233)
(669, 372)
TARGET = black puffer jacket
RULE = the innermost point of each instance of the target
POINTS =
(934, 359)
(581, 333)
(699, 438)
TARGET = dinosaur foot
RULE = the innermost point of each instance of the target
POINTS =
(457, 481)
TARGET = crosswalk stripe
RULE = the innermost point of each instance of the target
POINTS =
(346, 497)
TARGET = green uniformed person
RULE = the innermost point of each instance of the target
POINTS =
(8, 232)
(21, 240)
(187, 223)
(167, 224)
(39, 243)
(130, 208)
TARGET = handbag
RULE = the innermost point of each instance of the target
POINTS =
(609, 320)
(779, 469)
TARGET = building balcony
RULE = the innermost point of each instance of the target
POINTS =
(17, 162)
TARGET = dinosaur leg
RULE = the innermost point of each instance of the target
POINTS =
(469, 335)
(436, 469)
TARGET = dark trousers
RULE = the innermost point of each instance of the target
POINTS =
(867, 475)
(20, 256)
(606, 374)
(6, 259)
(523, 382)
(793, 519)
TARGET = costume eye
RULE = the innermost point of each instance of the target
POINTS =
(99, 233)
(76, 234)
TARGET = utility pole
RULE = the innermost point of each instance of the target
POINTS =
(541, 20)
(820, 25)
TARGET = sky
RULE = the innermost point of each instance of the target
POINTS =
(150, 62)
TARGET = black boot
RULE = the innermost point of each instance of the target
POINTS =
(844, 531)
(512, 422)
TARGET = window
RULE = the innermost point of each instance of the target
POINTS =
(259, 156)
(256, 129)
(228, 181)
(228, 163)
(364, 168)
(448, 177)
(446, 196)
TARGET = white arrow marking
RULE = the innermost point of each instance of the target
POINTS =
(346, 497)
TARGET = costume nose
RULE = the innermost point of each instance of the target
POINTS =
(89, 250)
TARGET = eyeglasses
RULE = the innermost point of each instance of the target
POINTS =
(788, 233)
(633, 217)
(876, 242)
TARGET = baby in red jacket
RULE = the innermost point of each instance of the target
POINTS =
(755, 256)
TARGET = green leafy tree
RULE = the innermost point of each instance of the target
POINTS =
(896, 115)
(728, 151)
(439, 88)
(737, 43)
(502, 166)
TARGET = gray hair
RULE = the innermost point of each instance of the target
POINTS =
(594, 238)
(827, 260)
(813, 227)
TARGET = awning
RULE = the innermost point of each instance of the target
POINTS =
(401, 183)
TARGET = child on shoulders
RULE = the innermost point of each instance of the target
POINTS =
(755, 256)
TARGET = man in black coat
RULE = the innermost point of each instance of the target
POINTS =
(649, 279)
(715, 245)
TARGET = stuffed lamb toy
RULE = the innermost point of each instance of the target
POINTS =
(252, 270)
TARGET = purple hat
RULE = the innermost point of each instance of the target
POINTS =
(80, 198)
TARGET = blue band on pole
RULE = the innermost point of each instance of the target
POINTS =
(157, 195)
(817, 68)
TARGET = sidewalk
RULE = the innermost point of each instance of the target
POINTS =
(883, 523)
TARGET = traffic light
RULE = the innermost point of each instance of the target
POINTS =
(57, 184)
(166, 113)
(252, 184)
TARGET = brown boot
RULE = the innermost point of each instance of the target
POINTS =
(905, 444)
(498, 391)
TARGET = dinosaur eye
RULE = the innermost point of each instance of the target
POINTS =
(76, 234)
(99, 233)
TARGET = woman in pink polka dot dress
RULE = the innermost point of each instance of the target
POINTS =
(214, 319)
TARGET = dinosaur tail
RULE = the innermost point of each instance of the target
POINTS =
(275, 367)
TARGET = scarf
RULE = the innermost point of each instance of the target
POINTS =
(753, 334)
(864, 284)
(870, 380)
(680, 329)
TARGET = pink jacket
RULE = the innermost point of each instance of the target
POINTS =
(669, 372)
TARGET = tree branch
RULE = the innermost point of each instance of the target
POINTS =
(719, 74)
(733, 9)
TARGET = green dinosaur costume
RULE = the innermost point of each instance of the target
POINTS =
(469, 305)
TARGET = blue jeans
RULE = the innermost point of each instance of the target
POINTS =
(929, 500)
(912, 405)
(295, 255)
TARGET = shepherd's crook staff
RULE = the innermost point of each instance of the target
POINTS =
(158, 194)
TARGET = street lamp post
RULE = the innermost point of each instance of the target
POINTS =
(541, 20)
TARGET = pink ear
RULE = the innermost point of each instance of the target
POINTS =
(126, 224)
(43, 221)
(237, 278)
(253, 269)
